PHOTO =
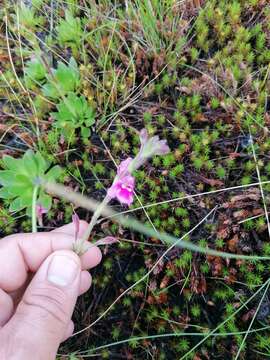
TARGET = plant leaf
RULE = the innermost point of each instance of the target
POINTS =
(5, 194)
(6, 176)
(45, 200)
(54, 173)
(16, 205)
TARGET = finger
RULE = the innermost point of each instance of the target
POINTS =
(69, 331)
(6, 307)
(47, 306)
(91, 258)
(22, 253)
(70, 229)
(85, 283)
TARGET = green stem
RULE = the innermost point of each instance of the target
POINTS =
(34, 209)
(79, 246)
(132, 223)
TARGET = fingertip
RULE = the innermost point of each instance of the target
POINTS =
(6, 306)
(91, 258)
(69, 229)
(85, 282)
(69, 331)
(82, 227)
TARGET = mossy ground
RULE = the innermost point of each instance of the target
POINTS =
(197, 74)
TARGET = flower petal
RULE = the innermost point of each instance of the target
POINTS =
(108, 240)
(76, 222)
(143, 136)
(125, 196)
(122, 169)
(162, 148)
(40, 210)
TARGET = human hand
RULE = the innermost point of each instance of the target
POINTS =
(40, 281)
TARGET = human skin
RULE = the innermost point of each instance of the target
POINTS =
(40, 281)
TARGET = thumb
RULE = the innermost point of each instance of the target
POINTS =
(44, 313)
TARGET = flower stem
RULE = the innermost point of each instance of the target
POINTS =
(79, 247)
(34, 207)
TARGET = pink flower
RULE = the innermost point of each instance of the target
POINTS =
(40, 210)
(124, 183)
(123, 189)
(122, 169)
(149, 147)
(108, 240)
(76, 223)
(152, 146)
(143, 136)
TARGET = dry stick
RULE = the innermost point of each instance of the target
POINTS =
(227, 93)
(15, 73)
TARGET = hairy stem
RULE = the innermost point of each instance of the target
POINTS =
(34, 209)
(79, 246)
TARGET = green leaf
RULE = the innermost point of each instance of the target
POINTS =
(6, 177)
(50, 91)
(18, 183)
(16, 205)
(29, 163)
(10, 162)
(68, 76)
(65, 79)
(54, 173)
(45, 200)
(69, 30)
(18, 189)
(29, 211)
(28, 17)
(27, 198)
(74, 113)
(42, 164)
(23, 180)
(85, 132)
(35, 70)
(4, 194)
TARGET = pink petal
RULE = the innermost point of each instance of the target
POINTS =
(113, 190)
(125, 196)
(143, 136)
(122, 169)
(128, 181)
(40, 210)
(123, 189)
(108, 240)
(162, 148)
(76, 222)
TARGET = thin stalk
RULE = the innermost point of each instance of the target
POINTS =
(251, 323)
(95, 217)
(132, 223)
(225, 321)
(158, 336)
(191, 196)
(144, 276)
(34, 209)
(79, 246)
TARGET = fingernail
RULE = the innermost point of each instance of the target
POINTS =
(62, 270)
